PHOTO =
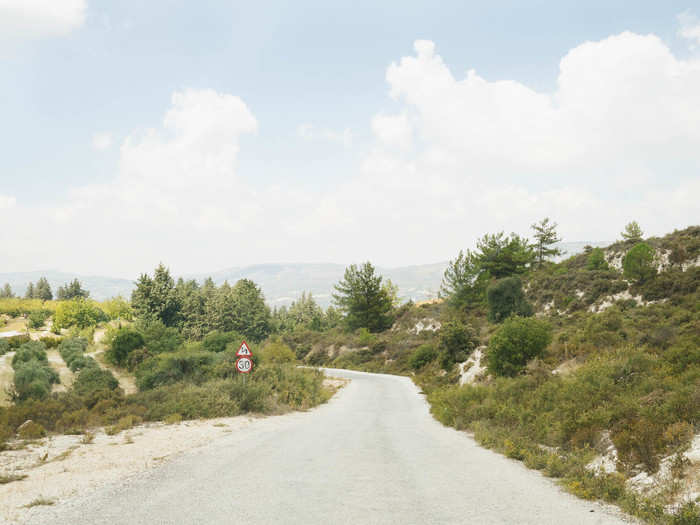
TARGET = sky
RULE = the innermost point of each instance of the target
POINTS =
(208, 135)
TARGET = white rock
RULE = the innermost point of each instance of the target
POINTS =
(467, 373)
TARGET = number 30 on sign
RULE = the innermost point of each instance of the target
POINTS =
(244, 365)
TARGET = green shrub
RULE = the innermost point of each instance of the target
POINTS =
(596, 260)
(71, 351)
(276, 352)
(136, 357)
(173, 419)
(638, 264)
(505, 297)
(37, 318)
(125, 341)
(30, 351)
(117, 308)
(217, 341)
(17, 340)
(169, 368)
(364, 336)
(4, 346)
(158, 338)
(93, 379)
(422, 355)
(79, 313)
(31, 430)
(124, 423)
(50, 342)
(516, 342)
(33, 379)
(456, 340)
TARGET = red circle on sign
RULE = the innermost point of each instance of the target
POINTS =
(244, 365)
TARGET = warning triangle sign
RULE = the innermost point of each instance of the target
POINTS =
(244, 350)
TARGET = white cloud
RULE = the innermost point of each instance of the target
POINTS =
(173, 182)
(40, 18)
(619, 139)
(393, 130)
(458, 156)
(101, 141)
(310, 132)
(690, 28)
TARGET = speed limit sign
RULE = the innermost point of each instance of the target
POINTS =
(244, 365)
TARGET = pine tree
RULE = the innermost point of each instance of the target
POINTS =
(462, 283)
(545, 238)
(503, 256)
(156, 298)
(29, 294)
(251, 316)
(42, 290)
(363, 299)
(6, 292)
(71, 290)
(632, 232)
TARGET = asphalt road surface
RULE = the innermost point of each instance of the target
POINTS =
(372, 455)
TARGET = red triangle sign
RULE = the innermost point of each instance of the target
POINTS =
(244, 350)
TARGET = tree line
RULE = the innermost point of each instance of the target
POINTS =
(42, 290)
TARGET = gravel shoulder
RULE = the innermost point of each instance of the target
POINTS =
(63, 467)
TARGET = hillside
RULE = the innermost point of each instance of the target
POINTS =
(281, 283)
(100, 287)
(611, 406)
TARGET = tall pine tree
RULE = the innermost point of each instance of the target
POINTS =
(545, 238)
(363, 299)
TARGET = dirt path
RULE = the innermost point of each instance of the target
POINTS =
(126, 380)
(16, 325)
(59, 365)
(7, 375)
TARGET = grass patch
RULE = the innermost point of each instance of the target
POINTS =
(39, 501)
(9, 478)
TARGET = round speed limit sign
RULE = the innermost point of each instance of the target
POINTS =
(244, 365)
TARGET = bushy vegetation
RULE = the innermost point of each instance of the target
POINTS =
(33, 375)
(421, 356)
(638, 264)
(17, 307)
(123, 343)
(37, 318)
(79, 313)
(96, 401)
(456, 340)
(505, 297)
(515, 343)
(72, 352)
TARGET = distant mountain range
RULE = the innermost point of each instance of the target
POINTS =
(281, 283)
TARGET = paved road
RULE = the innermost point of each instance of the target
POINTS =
(373, 455)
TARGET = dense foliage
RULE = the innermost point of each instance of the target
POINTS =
(638, 264)
(33, 375)
(80, 313)
(515, 343)
(505, 297)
